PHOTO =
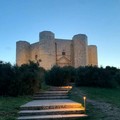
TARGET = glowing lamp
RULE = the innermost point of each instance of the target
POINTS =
(84, 98)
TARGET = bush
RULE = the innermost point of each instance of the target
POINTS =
(108, 77)
(117, 77)
(58, 76)
(23, 80)
(54, 76)
(6, 75)
(96, 77)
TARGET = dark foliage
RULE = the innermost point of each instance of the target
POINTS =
(6, 74)
(23, 80)
(58, 76)
(97, 77)
(108, 77)
(26, 79)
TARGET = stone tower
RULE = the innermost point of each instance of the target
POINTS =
(92, 55)
(22, 52)
(80, 50)
(50, 51)
(47, 44)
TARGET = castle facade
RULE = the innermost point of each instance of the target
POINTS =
(50, 51)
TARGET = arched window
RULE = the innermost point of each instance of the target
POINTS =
(63, 53)
(36, 56)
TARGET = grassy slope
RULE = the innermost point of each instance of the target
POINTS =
(101, 94)
(111, 96)
(9, 106)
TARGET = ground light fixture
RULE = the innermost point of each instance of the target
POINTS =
(84, 99)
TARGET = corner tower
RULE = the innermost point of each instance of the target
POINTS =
(92, 55)
(46, 36)
(22, 52)
(47, 44)
(80, 50)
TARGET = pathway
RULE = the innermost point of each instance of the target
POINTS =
(52, 104)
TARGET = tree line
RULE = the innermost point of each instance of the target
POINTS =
(91, 76)
(27, 78)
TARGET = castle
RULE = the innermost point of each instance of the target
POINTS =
(50, 51)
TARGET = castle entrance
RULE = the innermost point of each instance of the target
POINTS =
(63, 61)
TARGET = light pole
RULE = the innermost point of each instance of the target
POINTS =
(84, 98)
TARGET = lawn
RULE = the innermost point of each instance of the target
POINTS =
(111, 96)
(9, 106)
(106, 102)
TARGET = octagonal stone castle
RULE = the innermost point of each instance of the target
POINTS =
(50, 51)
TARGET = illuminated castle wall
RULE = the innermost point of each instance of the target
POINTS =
(50, 51)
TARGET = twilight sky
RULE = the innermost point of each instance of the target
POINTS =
(98, 19)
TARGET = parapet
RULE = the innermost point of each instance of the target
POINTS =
(24, 43)
(46, 35)
(93, 46)
(80, 37)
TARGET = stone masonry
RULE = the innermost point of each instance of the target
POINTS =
(50, 51)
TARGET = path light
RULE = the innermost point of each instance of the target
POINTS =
(84, 98)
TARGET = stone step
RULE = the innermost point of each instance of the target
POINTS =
(50, 97)
(50, 104)
(36, 95)
(61, 87)
(50, 117)
(49, 107)
(52, 112)
(58, 89)
(53, 92)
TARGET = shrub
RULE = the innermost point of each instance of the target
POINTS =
(6, 74)
(96, 77)
(23, 80)
(58, 76)
(55, 76)
(117, 77)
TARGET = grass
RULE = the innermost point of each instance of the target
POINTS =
(9, 106)
(111, 96)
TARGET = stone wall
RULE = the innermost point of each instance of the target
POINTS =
(34, 52)
(63, 51)
(50, 51)
(92, 55)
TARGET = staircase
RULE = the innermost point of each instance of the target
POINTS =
(51, 105)
(53, 93)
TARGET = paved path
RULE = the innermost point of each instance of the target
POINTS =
(53, 108)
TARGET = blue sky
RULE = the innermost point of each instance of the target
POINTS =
(98, 19)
